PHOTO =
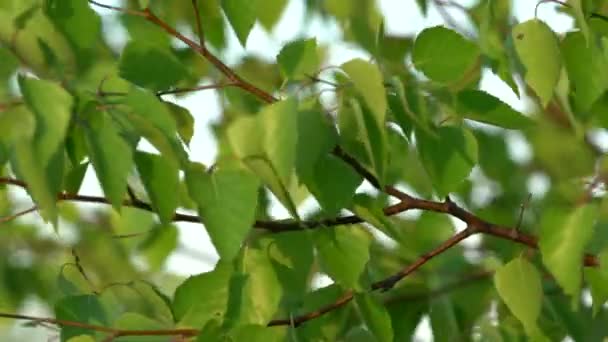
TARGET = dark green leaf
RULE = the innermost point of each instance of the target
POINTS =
(150, 66)
(299, 59)
(160, 177)
(241, 15)
(480, 106)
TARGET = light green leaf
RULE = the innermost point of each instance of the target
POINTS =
(562, 244)
(368, 82)
(538, 51)
(135, 321)
(160, 177)
(159, 244)
(152, 120)
(299, 58)
(480, 106)
(587, 68)
(255, 293)
(579, 14)
(448, 158)
(269, 12)
(150, 66)
(78, 22)
(202, 297)
(519, 285)
(259, 333)
(184, 120)
(226, 200)
(52, 108)
(373, 134)
(432, 48)
(343, 253)
(241, 15)
(110, 155)
(375, 316)
(267, 145)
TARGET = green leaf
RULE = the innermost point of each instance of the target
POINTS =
(343, 253)
(373, 134)
(152, 120)
(291, 254)
(269, 12)
(448, 158)
(255, 292)
(241, 17)
(159, 244)
(562, 244)
(480, 106)
(150, 66)
(184, 120)
(135, 321)
(444, 320)
(328, 178)
(579, 14)
(110, 155)
(597, 278)
(226, 201)
(299, 58)
(78, 22)
(368, 82)
(258, 333)
(587, 68)
(267, 145)
(375, 316)
(52, 108)
(202, 297)
(538, 51)
(160, 177)
(84, 309)
(433, 45)
(519, 285)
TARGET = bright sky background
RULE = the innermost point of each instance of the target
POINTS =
(402, 17)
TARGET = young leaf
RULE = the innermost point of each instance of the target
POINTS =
(160, 177)
(587, 68)
(255, 293)
(375, 316)
(597, 278)
(52, 108)
(226, 200)
(480, 106)
(150, 66)
(299, 58)
(152, 120)
(368, 82)
(538, 51)
(202, 297)
(343, 253)
(433, 45)
(519, 285)
(448, 158)
(269, 12)
(267, 145)
(562, 244)
(374, 138)
(241, 17)
(110, 155)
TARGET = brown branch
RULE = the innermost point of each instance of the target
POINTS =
(384, 284)
(202, 87)
(101, 328)
(19, 214)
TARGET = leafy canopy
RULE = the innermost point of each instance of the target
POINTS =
(381, 165)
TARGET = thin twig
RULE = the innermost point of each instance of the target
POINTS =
(199, 26)
(19, 214)
(202, 87)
